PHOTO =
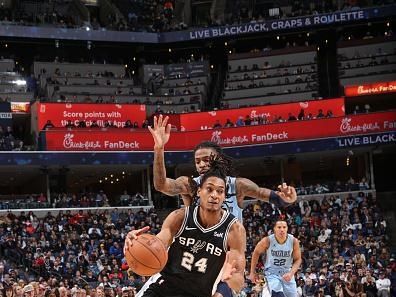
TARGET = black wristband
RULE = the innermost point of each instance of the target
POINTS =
(277, 200)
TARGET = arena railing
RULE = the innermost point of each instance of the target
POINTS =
(321, 197)
(42, 212)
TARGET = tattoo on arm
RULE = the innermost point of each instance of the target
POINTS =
(247, 188)
(163, 184)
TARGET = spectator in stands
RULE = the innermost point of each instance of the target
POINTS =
(383, 285)
(320, 114)
(128, 124)
(101, 199)
(363, 184)
(291, 117)
(240, 122)
(301, 115)
(309, 289)
(217, 125)
(125, 198)
(228, 124)
(369, 284)
(48, 125)
(145, 124)
(248, 120)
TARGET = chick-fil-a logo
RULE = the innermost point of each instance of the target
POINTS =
(68, 143)
(216, 138)
(347, 127)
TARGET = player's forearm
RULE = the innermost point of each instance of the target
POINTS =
(253, 262)
(159, 169)
(296, 266)
(168, 186)
(263, 194)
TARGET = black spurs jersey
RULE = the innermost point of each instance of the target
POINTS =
(196, 256)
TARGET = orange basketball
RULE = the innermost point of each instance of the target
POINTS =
(146, 255)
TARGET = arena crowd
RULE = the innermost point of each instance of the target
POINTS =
(344, 245)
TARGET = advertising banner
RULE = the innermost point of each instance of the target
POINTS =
(334, 18)
(370, 89)
(85, 33)
(60, 113)
(20, 107)
(5, 114)
(141, 140)
(206, 120)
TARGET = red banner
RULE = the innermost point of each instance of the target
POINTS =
(206, 120)
(135, 140)
(61, 113)
(370, 89)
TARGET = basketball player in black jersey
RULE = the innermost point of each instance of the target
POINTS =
(203, 153)
(206, 244)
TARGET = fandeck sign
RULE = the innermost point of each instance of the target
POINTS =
(206, 120)
(370, 89)
(126, 140)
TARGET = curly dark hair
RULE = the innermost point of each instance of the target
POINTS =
(209, 144)
(219, 167)
(229, 169)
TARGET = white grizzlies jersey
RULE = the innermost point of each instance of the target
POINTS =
(231, 201)
(279, 257)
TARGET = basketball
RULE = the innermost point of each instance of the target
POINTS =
(146, 255)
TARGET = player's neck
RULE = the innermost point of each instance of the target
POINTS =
(281, 239)
(208, 219)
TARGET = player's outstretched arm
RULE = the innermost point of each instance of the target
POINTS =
(260, 248)
(161, 133)
(247, 188)
(234, 266)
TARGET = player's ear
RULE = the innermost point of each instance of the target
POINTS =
(198, 191)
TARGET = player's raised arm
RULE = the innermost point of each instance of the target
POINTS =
(234, 266)
(161, 133)
(247, 188)
(260, 248)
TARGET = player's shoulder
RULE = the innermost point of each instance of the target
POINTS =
(295, 240)
(179, 213)
(265, 241)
